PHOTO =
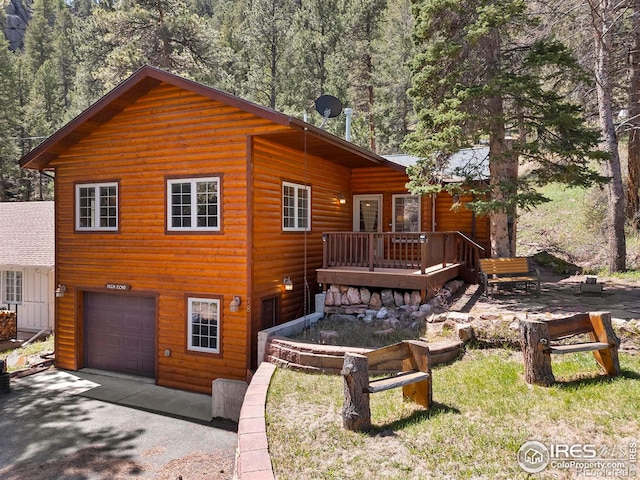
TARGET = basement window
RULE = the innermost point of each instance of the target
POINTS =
(204, 325)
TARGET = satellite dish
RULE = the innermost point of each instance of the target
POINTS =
(329, 107)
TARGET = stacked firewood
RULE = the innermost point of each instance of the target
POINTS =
(8, 325)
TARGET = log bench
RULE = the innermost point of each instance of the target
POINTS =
(513, 270)
(415, 380)
(539, 339)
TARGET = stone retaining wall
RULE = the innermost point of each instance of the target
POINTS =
(314, 358)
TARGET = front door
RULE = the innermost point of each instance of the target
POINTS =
(367, 213)
(367, 217)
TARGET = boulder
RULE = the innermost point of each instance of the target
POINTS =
(416, 298)
(464, 331)
(387, 298)
(365, 295)
(398, 299)
(353, 296)
(376, 301)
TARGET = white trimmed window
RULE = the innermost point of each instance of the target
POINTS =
(406, 213)
(296, 211)
(193, 204)
(12, 292)
(97, 206)
(204, 325)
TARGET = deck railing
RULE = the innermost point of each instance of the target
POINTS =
(416, 251)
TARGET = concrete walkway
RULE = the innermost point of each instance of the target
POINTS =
(69, 425)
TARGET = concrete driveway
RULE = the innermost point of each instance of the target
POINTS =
(50, 428)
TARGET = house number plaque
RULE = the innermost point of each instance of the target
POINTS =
(118, 286)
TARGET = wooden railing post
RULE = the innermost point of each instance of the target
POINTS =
(372, 256)
(325, 250)
(423, 252)
(445, 238)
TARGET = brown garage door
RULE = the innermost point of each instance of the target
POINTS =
(120, 333)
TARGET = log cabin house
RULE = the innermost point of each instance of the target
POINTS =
(185, 214)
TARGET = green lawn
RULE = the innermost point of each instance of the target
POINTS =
(483, 413)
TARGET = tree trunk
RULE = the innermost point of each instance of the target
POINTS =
(534, 339)
(602, 18)
(501, 168)
(356, 414)
(633, 123)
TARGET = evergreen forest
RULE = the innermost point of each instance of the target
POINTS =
(553, 86)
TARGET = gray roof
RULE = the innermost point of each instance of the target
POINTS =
(472, 162)
(27, 234)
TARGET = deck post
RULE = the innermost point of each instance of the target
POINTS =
(423, 252)
(372, 256)
(325, 250)
(445, 238)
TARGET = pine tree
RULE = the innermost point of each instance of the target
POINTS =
(267, 39)
(8, 121)
(482, 74)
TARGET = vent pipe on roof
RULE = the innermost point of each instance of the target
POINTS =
(347, 134)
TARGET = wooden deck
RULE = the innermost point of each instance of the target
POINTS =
(396, 278)
(404, 261)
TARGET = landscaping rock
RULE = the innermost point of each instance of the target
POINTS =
(365, 295)
(337, 298)
(387, 298)
(426, 308)
(418, 315)
(376, 301)
(407, 298)
(398, 299)
(464, 331)
(328, 334)
(416, 298)
(440, 317)
(16, 360)
(382, 313)
(384, 333)
(353, 296)
(460, 317)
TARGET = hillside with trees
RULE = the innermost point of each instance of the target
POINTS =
(553, 86)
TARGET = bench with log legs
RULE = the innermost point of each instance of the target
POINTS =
(539, 339)
(514, 270)
(415, 380)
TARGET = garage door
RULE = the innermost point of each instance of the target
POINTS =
(120, 333)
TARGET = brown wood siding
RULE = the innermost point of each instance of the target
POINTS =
(277, 254)
(167, 133)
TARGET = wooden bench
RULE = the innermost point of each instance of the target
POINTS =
(539, 339)
(513, 270)
(415, 380)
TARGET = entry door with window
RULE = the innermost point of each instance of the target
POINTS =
(367, 217)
